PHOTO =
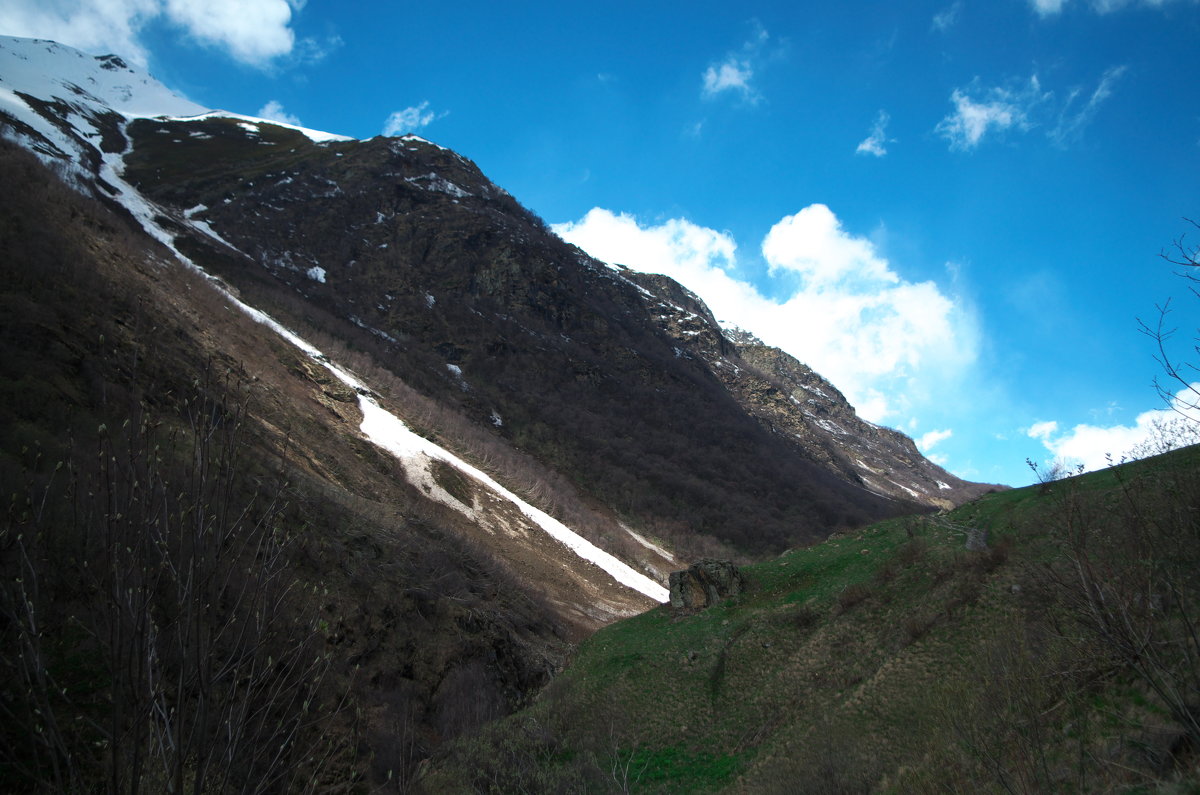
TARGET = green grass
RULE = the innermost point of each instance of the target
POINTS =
(679, 770)
(859, 657)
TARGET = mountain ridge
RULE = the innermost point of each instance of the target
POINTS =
(523, 385)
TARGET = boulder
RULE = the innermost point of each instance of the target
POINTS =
(704, 584)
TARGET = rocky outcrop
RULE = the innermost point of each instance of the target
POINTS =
(704, 584)
(802, 408)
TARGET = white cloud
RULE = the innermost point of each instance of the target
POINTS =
(1072, 121)
(99, 27)
(929, 440)
(1000, 108)
(887, 343)
(1045, 8)
(1042, 430)
(1095, 446)
(273, 111)
(813, 244)
(409, 120)
(732, 75)
(876, 143)
(946, 18)
(735, 71)
(979, 112)
(252, 31)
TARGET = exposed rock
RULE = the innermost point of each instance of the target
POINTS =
(802, 408)
(977, 539)
(704, 584)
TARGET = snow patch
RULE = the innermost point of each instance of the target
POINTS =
(439, 184)
(831, 427)
(47, 70)
(457, 372)
(383, 335)
(251, 124)
(416, 139)
(316, 273)
(647, 543)
(906, 488)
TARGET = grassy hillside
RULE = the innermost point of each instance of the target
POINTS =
(1061, 656)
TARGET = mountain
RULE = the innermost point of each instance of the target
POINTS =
(465, 443)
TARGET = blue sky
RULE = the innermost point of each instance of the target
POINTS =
(954, 210)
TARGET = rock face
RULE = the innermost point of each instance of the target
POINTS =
(704, 584)
(802, 409)
(406, 251)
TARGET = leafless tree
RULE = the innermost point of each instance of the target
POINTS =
(147, 606)
(1180, 370)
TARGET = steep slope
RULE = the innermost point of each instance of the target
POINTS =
(487, 443)
(412, 617)
(63, 129)
(408, 250)
(796, 403)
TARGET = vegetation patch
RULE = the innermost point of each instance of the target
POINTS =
(456, 484)
(898, 659)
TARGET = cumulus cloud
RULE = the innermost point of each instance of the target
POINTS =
(734, 72)
(409, 120)
(252, 31)
(1152, 432)
(813, 244)
(998, 109)
(884, 341)
(732, 75)
(273, 111)
(876, 143)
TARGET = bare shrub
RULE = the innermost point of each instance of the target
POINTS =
(804, 617)
(147, 607)
(916, 626)
(912, 551)
(1129, 577)
(853, 595)
(834, 759)
(1001, 721)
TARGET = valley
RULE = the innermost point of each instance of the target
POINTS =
(332, 468)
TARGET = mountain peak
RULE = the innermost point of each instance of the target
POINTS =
(90, 85)
(49, 70)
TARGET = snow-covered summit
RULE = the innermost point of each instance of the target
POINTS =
(51, 71)
(48, 70)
